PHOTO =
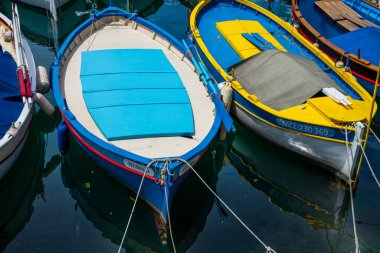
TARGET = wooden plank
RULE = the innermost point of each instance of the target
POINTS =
(347, 10)
(343, 15)
(328, 9)
(347, 25)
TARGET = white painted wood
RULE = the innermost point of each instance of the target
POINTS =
(10, 146)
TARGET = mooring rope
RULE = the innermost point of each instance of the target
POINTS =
(374, 134)
(170, 223)
(134, 205)
(357, 249)
(369, 164)
(267, 248)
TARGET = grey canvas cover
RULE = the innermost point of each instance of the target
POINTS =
(282, 80)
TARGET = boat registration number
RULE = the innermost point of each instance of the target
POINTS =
(305, 128)
(138, 167)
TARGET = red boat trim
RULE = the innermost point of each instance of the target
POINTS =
(353, 72)
(364, 78)
(103, 156)
(6, 24)
(88, 146)
(18, 144)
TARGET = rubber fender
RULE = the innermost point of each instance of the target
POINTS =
(44, 104)
(63, 134)
(43, 82)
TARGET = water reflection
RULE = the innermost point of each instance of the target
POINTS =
(291, 184)
(38, 25)
(107, 203)
(20, 186)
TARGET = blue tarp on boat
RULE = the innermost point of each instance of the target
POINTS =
(366, 38)
(10, 101)
(135, 93)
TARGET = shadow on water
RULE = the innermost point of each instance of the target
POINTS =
(290, 183)
(107, 203)
(20, 186)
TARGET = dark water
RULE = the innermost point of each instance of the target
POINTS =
(54, 203)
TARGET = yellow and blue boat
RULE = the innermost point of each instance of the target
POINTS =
(284, 88)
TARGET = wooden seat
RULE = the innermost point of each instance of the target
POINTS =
(342, 15)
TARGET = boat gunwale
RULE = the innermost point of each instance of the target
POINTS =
(25, 118)
(348, 78)
(297, 15)
(82, 131)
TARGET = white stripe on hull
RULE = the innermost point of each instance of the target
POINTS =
(331, 155)
(7, 164)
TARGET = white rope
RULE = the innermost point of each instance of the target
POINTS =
(357, 249)
(89, 37)
(170, 223)
(377, 138)
(369, 165)
(134, 205)
(268, 248)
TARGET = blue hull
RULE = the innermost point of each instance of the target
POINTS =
(151, 191)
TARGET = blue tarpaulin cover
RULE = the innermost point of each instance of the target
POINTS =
(135, 93)
(366, 38)
(10, 101)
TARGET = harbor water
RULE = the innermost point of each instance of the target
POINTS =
(66, 203)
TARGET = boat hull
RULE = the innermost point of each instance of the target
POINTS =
(153, 189)
(8, 162)
(328, 154)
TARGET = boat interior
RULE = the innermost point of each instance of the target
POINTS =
(9, 90)
(132, 88)
(245, 35)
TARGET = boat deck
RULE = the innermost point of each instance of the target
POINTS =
(9, 90)
(342, 15)
(123, 34)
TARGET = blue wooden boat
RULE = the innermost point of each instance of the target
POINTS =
(17, 84)
(271, 69)
(343, 35)
(132, 99)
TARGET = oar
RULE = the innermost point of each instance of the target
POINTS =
(22, 71)
(213, 90)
